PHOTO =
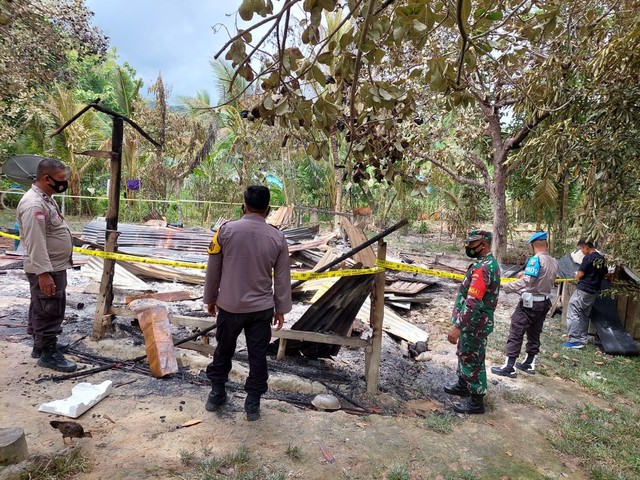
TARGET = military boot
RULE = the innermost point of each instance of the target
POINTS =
(62, 347)
(53, 359)
(459, 388)
(252, 408)
(217, 398)
(473, 405)
(506, 370)
(529, 365)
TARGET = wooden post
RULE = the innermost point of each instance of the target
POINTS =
(372, 356)
(102, 322)
(282, 349)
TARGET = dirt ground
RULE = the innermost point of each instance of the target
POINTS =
(135, 429)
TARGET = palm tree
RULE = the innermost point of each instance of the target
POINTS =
(85, 133)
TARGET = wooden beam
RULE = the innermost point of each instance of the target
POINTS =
(105, 298)
(285, 334)
(319, 338)
(372, 358)
(198, 347)
(282, 349)
(102, 322)
(193, 322)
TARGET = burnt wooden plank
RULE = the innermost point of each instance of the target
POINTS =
(406, 288)
(357, 237)
(632, 319)
(621, 303)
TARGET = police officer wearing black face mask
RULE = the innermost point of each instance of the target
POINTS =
(48, 247)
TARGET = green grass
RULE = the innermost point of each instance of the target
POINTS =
(398, 472)
(68, 465)
(603, 374)
(440, 422)
(522, 398)
(607, 441)
(239, 465)
(460, 476)
(294, 452)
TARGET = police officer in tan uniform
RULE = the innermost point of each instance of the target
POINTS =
(528, 318)
(48, 248)
(248, 287)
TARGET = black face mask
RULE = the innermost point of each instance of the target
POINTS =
(59, 185)
(473, 252)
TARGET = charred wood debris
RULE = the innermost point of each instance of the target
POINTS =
(337, 311)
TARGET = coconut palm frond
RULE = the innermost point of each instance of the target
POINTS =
(229, 118)
(227, 90)
(545, 194)
(197, 106)
(126, 91)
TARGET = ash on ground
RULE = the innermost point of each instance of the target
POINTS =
(402, 377)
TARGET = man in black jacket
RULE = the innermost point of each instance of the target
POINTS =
(590, 274)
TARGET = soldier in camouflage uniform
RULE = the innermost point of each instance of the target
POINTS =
(472, 319)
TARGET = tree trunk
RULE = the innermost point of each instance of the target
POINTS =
(562, 237)
(337, 207)
(499, 201)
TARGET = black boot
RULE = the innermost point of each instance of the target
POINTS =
(529, 365)
(252, 408)
(473, 405)
(506, 370)
(217, 398)
(459, 388)
(62, 347)
(53, 359)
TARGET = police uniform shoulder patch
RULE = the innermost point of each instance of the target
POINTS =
(533, 267)
(214, 247)
(40, 215)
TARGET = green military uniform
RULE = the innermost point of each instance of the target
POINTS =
(473, 315)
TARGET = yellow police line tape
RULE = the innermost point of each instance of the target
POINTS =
(439, 273)
(381, 266)
(202, 266)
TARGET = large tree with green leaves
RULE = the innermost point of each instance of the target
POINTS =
(503, 68)
(36, 37)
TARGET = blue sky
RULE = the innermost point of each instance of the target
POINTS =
(172, 37)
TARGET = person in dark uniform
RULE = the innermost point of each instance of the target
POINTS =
(48, 249)
(472, 319)
(534, 287)
(248, 287)
(590, 275)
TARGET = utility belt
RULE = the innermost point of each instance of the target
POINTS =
(528, 298)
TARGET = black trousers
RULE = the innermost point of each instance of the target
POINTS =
(46, 313)
(527, 321)
(257, 332)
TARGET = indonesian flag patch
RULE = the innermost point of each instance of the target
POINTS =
(40, 216)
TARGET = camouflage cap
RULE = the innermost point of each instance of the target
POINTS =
(475, 235)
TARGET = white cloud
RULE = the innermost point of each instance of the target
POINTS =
(171, 37)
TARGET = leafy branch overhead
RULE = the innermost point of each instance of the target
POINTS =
(370, 71)
(367, 72)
